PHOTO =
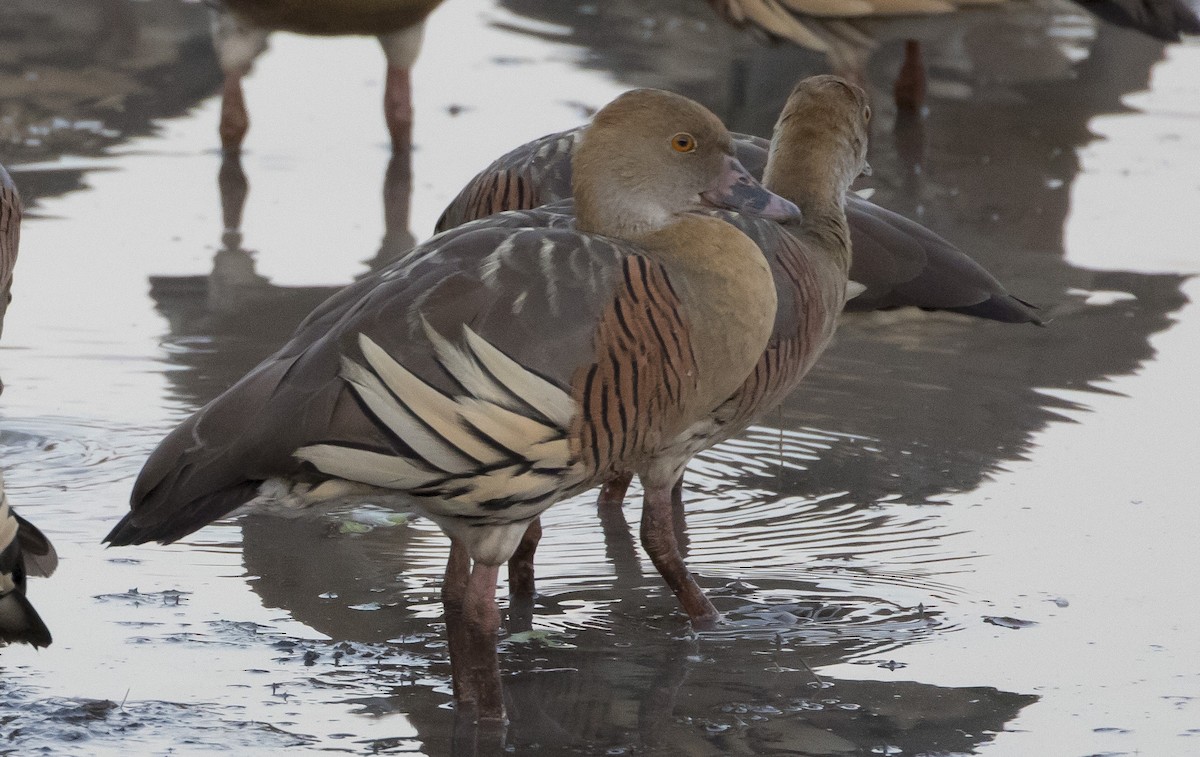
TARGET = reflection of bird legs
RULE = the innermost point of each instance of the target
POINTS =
(909, 87)
(233, 282)
(397, 193)
(232, 183)
(656, 710)
(472, 619)
(618, 545)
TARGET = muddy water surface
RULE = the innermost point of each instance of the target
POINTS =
(959, 537)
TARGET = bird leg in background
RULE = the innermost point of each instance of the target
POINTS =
(454, 591)
(520, 565)
(679, 517)
(612, 492)
(909, 88)
(397, 107)
(658, 539)
(235, 121)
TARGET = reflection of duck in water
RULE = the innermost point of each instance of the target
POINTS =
(847, 30)
(24, 551)
(237, 314)
(241, 27)
(377, 392)
(593, 674)
(80, 76)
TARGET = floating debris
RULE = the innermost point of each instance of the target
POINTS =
(1007, 622)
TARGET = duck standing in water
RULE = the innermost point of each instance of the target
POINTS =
(241, 28)
(896, 263)
(818, 149)
(24, 550)
(498, 369)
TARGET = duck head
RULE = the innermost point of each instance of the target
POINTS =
(819, 146)
(650, 156)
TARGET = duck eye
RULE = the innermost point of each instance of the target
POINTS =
(683, 142)
(867, 114)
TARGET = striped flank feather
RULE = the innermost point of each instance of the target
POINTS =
(501, 443)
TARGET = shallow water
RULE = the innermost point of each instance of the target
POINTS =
(957, 537)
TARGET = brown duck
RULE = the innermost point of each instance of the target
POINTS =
(241, 28)
(497, 369)
(24, 550)
(896, 263)
(818, 150)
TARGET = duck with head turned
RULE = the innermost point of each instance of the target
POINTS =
(501, 367)
(896, 262)
(24, 550)
(818, 149)
(241, 28)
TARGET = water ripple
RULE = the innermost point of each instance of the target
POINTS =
(51, 462)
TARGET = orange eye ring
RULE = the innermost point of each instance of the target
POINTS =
(683, 142)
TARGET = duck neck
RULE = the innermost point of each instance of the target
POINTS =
(600, 209)
(727, 295)
(818, 186)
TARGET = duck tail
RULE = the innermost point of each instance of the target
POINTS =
(19, 622)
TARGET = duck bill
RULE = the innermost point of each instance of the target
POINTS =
(737, 190)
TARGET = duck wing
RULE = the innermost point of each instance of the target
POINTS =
(417, 377)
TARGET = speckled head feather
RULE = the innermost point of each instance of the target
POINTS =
(628, 156)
